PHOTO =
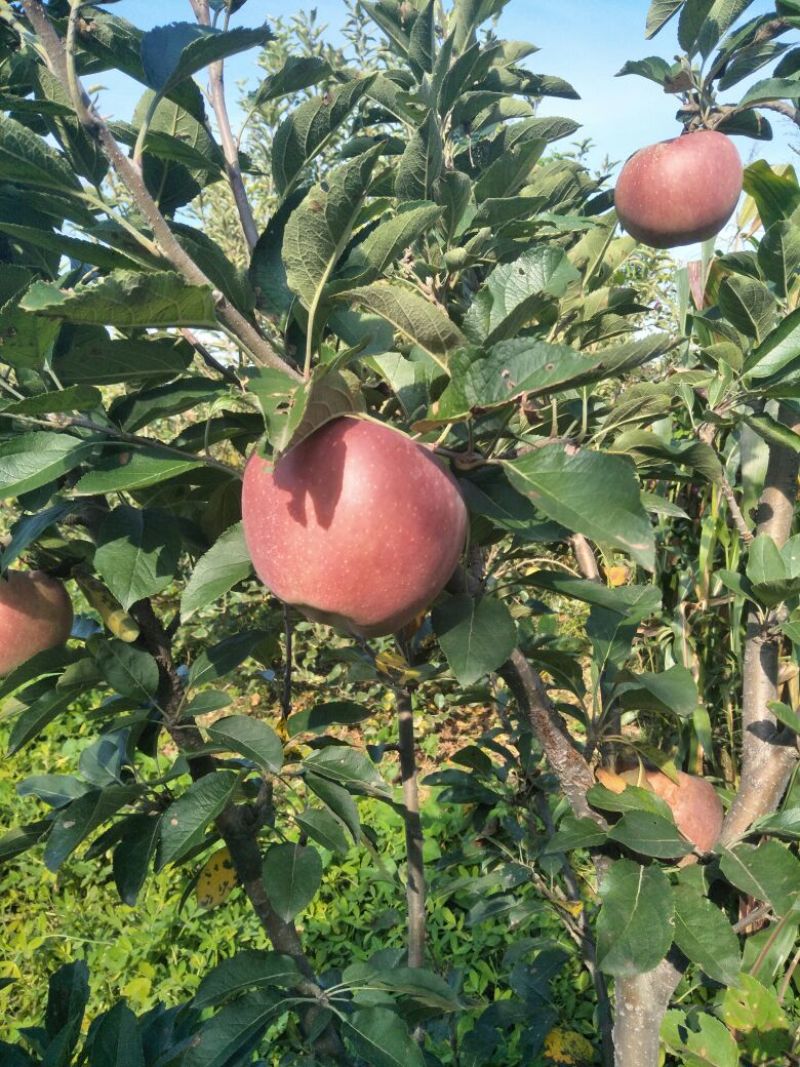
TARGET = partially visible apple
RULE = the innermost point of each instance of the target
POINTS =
(357, 526)
(35, 614)
(694, 803)
(680, 191)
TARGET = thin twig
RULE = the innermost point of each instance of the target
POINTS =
(767, 758)
(415, 872)
(210, 361)
(286, 695)
(61, 64)
(216, 92)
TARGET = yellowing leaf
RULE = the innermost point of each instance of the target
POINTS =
(216, 881)
(616, 576)
(567, 1047)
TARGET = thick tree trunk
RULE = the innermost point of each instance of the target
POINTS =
(640, 1006)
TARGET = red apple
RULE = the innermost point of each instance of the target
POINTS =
(694, 803)
(357, 526)
(680, 191)
(35, 614)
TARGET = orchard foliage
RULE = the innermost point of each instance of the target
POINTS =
(435, 260)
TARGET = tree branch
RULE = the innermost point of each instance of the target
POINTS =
(640, 1004)
(415, 870)
(216, 92)
(767, 757)
(573, 772)
(238, 824)
(60, 64)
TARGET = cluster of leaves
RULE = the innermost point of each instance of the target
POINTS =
(445, 270)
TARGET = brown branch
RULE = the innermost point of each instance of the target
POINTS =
(210, 361)
(59, 62)
(573, 772)
(767, 757)
(216, 92)
(640, 1004)
(238, 824)
(415, 870)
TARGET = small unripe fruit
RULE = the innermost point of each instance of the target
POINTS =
(35, 614)
(357, 526)
(680, 191)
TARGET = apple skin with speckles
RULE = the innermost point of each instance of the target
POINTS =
(694, 803)
(680, 191)
(357, 526)
(35, 614)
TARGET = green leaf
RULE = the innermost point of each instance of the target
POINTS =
(224, 657)
(654, 68)
(319, 717)
(296, 74)
(173, 53)
(422, 41)
(659, 14)
(251, 738)
(633, 602)
(380, 1038)
(81, 398)
(184, 823)
(292, 876)
(137, 553)
(592, 493)
(116, 1040)
(773, 432)
(508, 174)
(32, 460)
(387, 242)
(81, 251)
(337, 800)
(74, 823)
(673, 690)
(420, 165)
(225, 564)
(250, 969)
(768, 872)
(777, 196)
(135, 470)
(231, 1034)
(749, 305)
(267, 270)
(516, 291)
(318, 232)
(323, 828)
(129, 671)
(710, 1045)
(650, 834)
(34, 718)
(778, 351)
(126, 299)
(134, 854)
(348, 767)
(28, 159)
(703, 22)
(133, 412)
(575, 833)
(476, 636)
(526, 366)
(67, 997)
(293, 412)
(771, 89)
(632, 798)
(99, 360)
(309, 128)
(635, 924)
(411, 315)
(779, 254)
(54, 789)
(705, 936)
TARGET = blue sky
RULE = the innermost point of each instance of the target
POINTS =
(584, 41)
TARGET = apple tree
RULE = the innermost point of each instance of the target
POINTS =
(414, 257)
